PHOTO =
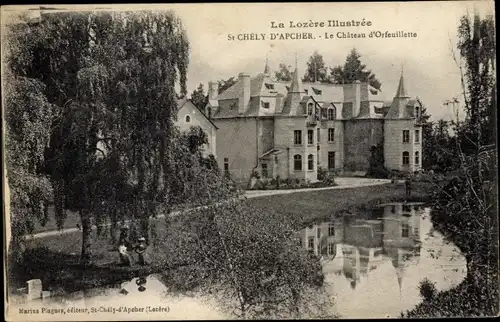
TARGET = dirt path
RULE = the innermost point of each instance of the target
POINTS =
(343, 183)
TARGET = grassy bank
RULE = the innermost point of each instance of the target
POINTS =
(316, 206)
(54, 259)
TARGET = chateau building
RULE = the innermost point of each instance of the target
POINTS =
(290, 129)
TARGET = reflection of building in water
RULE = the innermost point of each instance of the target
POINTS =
(354, 246)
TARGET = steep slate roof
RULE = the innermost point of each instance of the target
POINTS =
(401, 107)
(289, 96)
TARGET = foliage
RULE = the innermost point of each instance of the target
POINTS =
(466, 208)
(427, 289)
(353, 70)
(111, 79)
(316, 70)
(283, 74)
(251, 262)
(477, 49)
(225, 84)
(199, 98)
(376, 161)
(28, 116)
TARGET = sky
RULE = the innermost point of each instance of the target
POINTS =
(429, 69)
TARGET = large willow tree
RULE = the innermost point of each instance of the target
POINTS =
(110, 81)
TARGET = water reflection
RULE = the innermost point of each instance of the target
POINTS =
(373, 261)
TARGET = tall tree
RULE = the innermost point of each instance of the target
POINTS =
(111, 79)
(354, 70)
(199, 98)
(316, 70)
(283, 74)
(477, 48)
(225, 84)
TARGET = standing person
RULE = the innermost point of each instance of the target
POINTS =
(124, 246)
(408, 186)
(141, 248)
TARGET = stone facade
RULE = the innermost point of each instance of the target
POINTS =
(290, 129)
(189, 115)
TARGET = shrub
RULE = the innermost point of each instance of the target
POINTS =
(427, 289)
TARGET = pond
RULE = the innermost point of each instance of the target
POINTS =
(373, 261)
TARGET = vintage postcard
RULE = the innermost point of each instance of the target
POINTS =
(250, 161)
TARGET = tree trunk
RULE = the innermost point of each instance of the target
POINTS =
(86, 255)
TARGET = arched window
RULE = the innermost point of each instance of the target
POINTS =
(331, 114)
(297, 162)
(310, 109)
(310, 162)
(188, 118)
(406, 158)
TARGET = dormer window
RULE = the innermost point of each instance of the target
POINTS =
(331, 114)
(310, 108)
(417, 111)
(270, 86)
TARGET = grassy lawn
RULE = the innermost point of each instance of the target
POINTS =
(312, 206)
(54, 259)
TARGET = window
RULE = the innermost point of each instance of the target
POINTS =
(310, 243)
(417, 136)
(331, 229)
(300, 242)
(310, 137)
(324, 113)
(318, 134)
(405, 230)
(209, 112)
(406, 158)
(331, 114)
(417, 111)
(393, 209)
(310, 109)
(318, 232)
(417, 157)
(406, 209)
(297, 137)
(310, 162)
(331, 135)
(269, 86)
(266, 104)
(226, 164)
(297, 162)
(264, 170)
(331, 160)
(331, 249)
(188, 118)
(406, 136)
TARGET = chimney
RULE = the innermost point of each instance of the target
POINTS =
(212, 90)
(244, 98)
(357, 104)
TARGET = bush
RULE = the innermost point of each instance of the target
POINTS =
(427, 289)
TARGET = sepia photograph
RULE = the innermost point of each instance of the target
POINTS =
(221, 161)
